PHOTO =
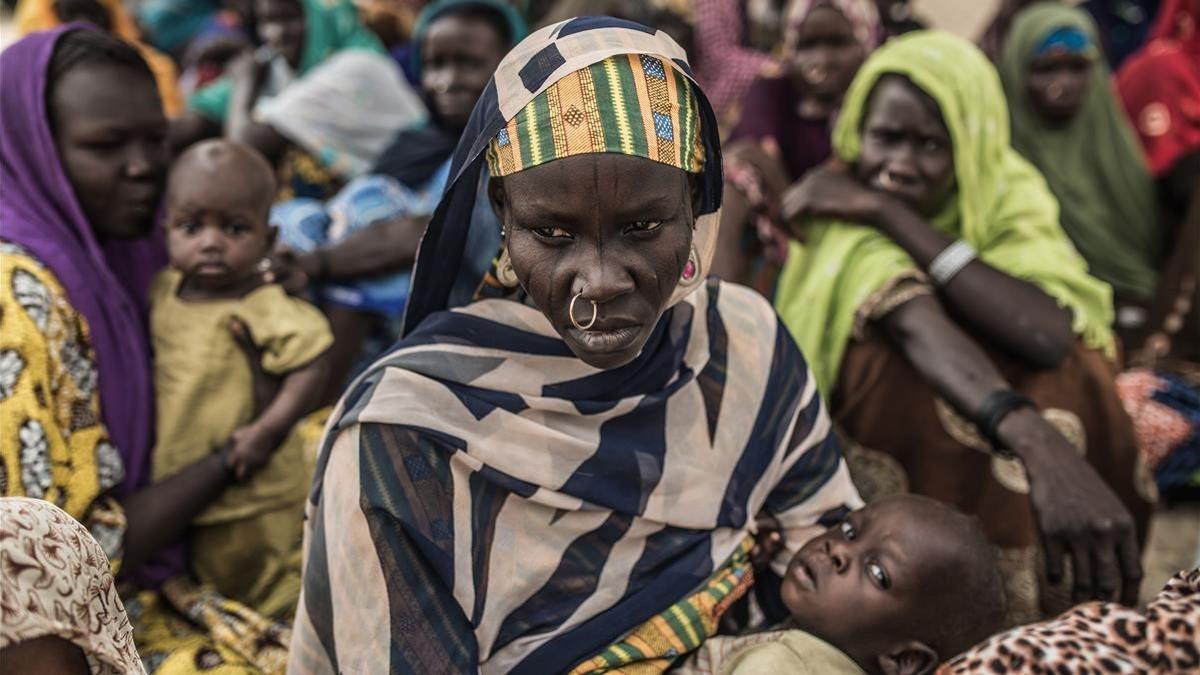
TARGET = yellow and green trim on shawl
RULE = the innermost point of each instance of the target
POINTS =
(630, 104)
(1001, 206)
(656, 644)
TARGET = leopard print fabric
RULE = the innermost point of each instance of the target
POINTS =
(1100, 637)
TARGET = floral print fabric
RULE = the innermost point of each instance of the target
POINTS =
(56, 582)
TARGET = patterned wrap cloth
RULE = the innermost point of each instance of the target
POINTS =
(56, 582)
(486, 501)
(627, 104)
(1100, 637)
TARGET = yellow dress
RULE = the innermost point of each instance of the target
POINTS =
(247, 544)
(53, 446)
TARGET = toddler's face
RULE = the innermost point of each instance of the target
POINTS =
(217, 230)
(870, 578)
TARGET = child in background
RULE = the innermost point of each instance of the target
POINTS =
(896, 587)
(247, 544)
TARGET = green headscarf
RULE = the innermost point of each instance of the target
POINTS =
(329, 27)
(1094, 164)
(1001, 206)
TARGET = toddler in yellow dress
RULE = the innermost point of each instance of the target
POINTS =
(247, 543)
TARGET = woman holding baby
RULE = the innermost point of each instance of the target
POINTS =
(84, 164)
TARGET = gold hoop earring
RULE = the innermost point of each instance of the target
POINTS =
(571, 313)
(505, 273)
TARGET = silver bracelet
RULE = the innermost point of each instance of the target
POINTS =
(950, 262)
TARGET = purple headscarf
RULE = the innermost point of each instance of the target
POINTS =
(107, 282)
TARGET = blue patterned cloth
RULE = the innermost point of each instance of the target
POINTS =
(308, 224)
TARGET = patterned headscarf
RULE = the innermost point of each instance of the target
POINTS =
(57, 583)
(629, 104)
(454, 238)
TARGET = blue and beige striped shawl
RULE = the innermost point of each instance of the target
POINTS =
(487, 501)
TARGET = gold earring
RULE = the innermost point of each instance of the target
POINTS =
(505, 273)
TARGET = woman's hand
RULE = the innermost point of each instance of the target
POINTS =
(293, 270)
(250, 448)
(1077, 514)
(830, 191)
(265, 386)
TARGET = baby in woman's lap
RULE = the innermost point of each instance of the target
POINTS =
(896, 588)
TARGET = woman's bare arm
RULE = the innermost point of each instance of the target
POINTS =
(1011, 313)
(1077, 514)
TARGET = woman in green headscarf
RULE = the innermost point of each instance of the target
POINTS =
(956, 328)
(321, 98)
(1068, 123)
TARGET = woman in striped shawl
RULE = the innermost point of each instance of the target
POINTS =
(559, 466)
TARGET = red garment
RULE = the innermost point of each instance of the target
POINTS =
(1160, 86)
(724, 66)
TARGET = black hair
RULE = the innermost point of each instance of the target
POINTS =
(975, 599)
(83, 10)
(481, 12)
(93, 48)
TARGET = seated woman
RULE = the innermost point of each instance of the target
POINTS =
(109, 15)
(84, 158)
(1060, 102)
(957, 330)
(355, 251)
(783, 129)
(1160, 89)
(524, 480)
(321, 99)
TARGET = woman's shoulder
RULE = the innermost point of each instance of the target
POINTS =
(20, 262)
(28, 284)
(740, 307)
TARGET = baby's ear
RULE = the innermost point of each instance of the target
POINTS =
(909, 658)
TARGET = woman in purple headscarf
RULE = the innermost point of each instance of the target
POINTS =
(83, 158)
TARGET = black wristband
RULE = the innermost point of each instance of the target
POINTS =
(993, 410)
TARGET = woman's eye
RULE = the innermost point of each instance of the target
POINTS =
(848, 530)
(551, 232)
(879, 575)
(188, 226)
(644, 226)
(236, 228)
(933, 145)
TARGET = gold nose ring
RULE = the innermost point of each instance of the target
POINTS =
(571, 313)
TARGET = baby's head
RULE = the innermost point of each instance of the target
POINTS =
(899, 586)
(218, 199)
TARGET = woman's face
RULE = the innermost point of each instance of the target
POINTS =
(906, 148)
(617, 229)
(1057, 85)
(822, 57)
(111, 136)
(280, 25)
(458, 58)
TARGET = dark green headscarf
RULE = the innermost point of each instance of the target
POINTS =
(1093, 164)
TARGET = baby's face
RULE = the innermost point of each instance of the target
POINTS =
(868, 579)
(217, 229)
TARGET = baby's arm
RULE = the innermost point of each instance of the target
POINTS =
(253, 445)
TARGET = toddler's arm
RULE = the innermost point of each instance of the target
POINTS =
(252, 446)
